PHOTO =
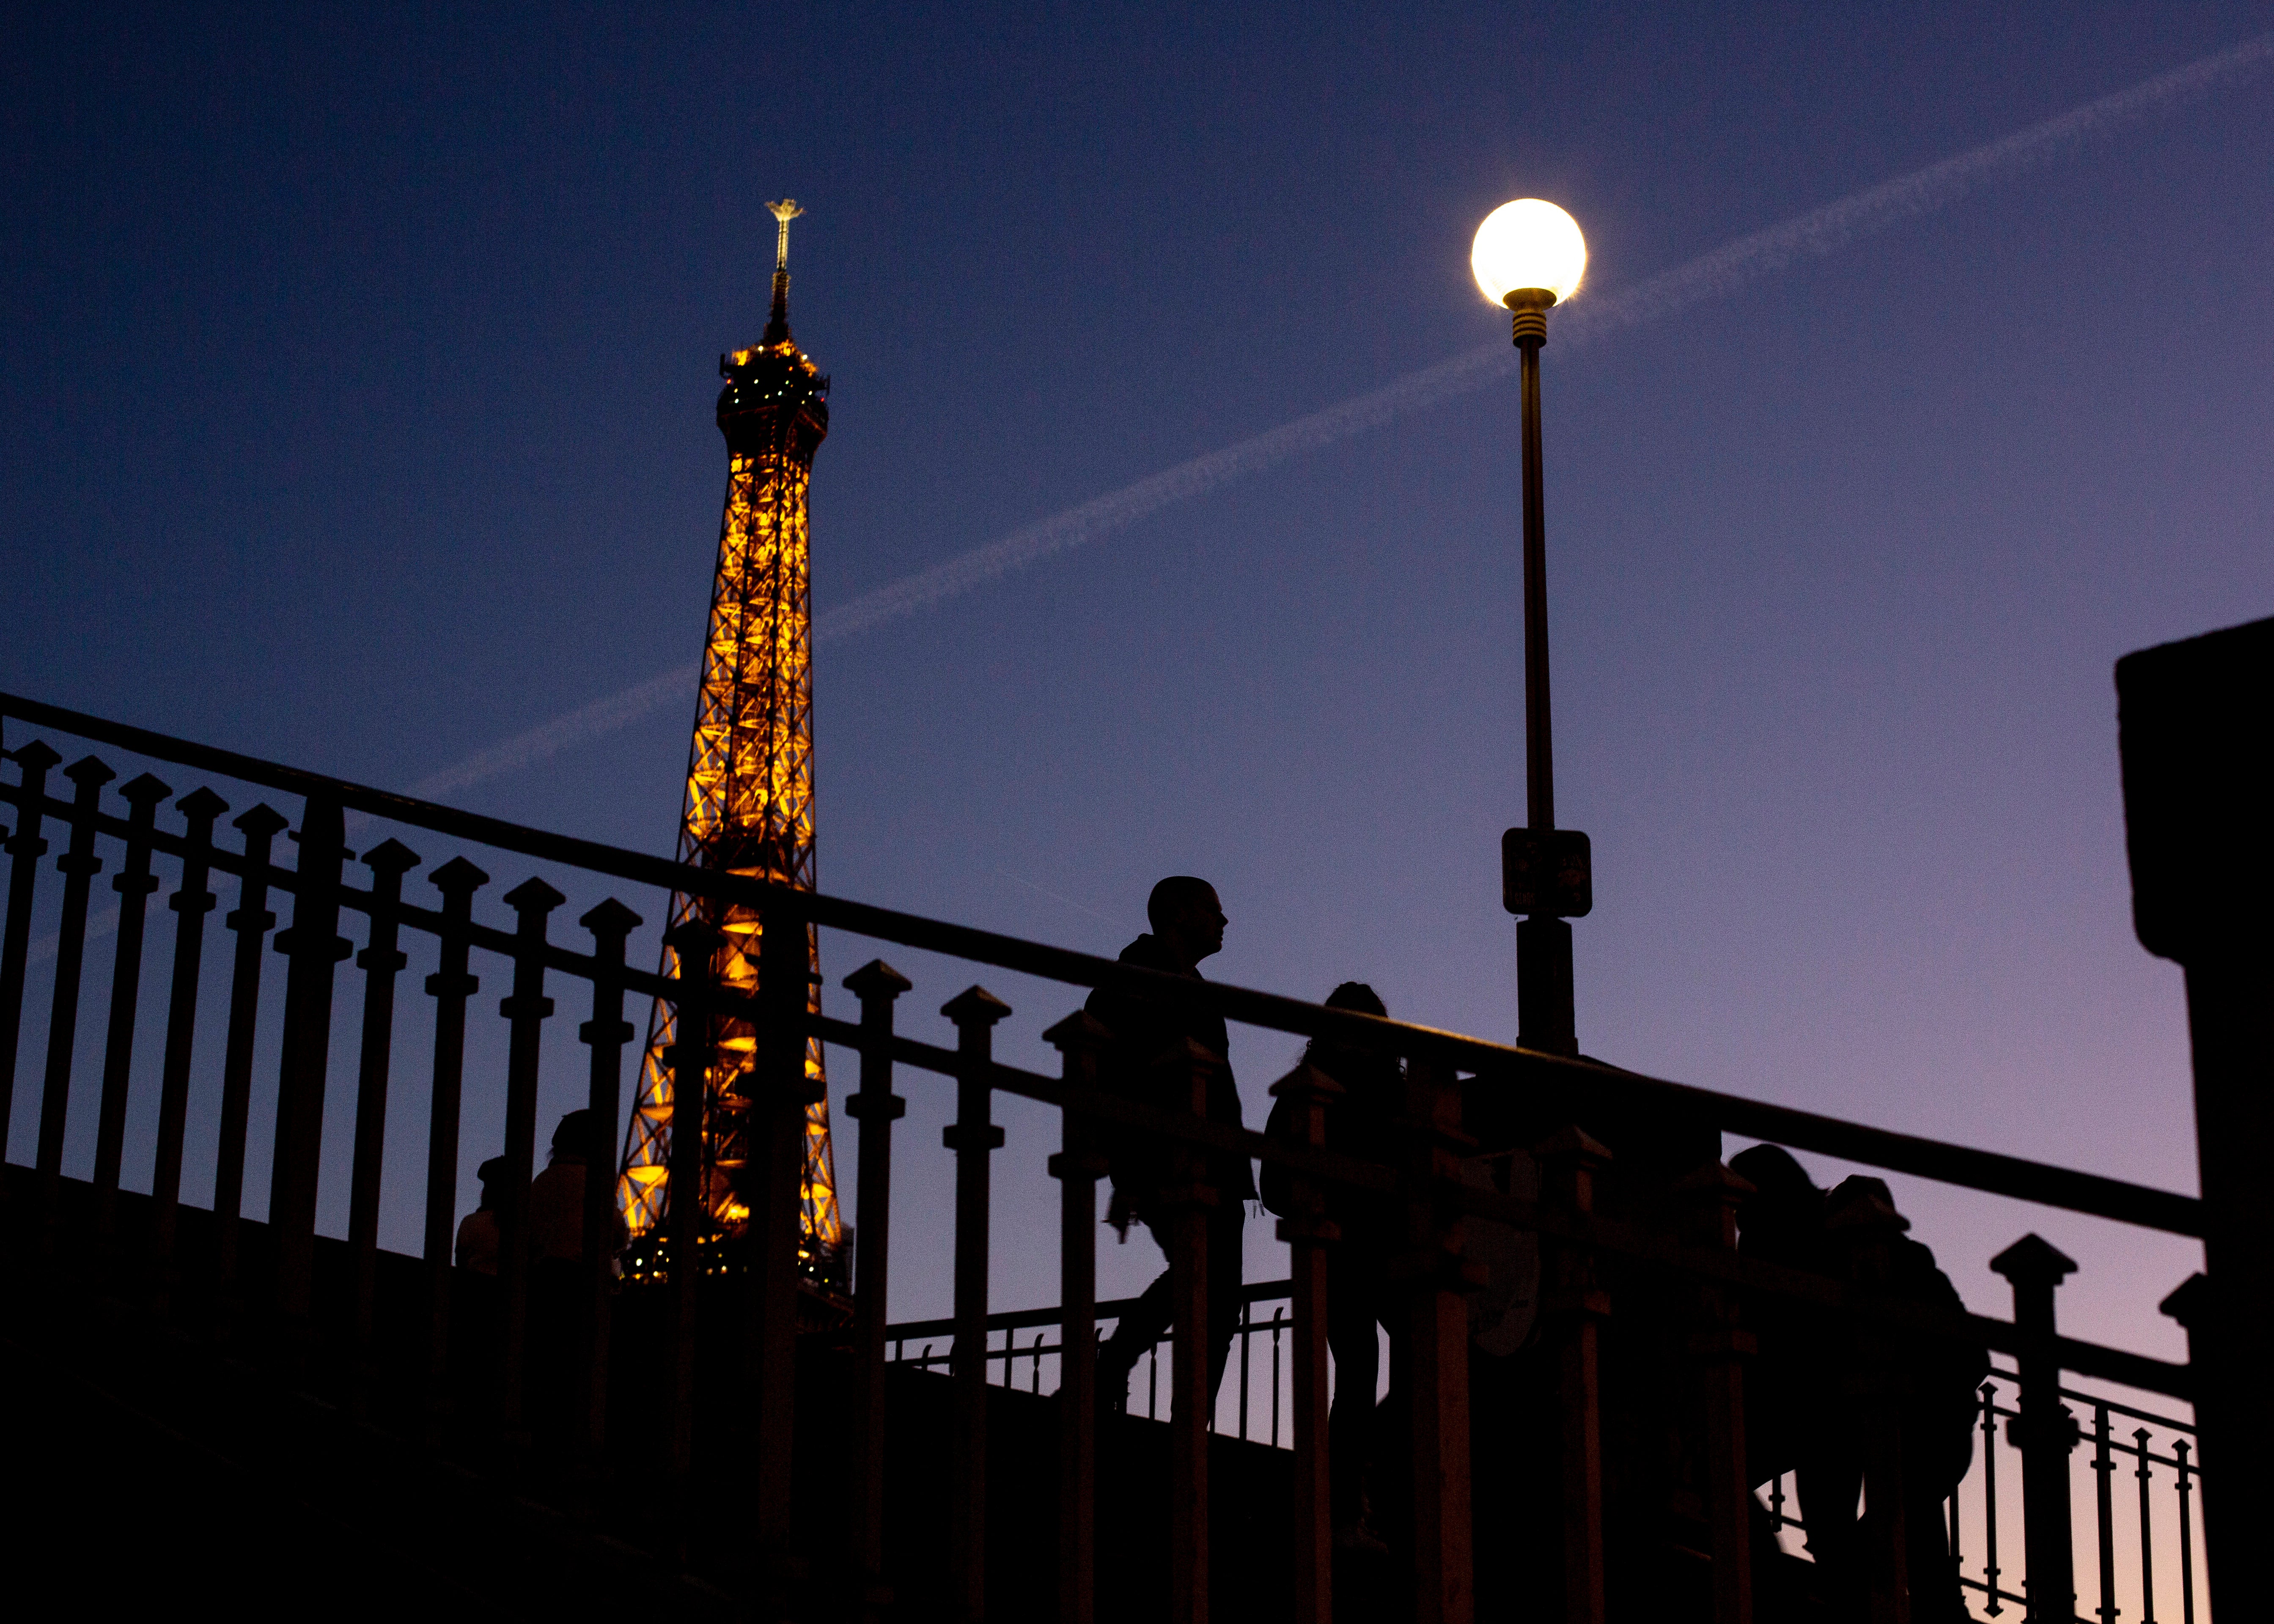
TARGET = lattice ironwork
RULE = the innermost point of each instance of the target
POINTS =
(748, 804)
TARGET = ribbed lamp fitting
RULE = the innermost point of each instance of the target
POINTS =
(1529, 307)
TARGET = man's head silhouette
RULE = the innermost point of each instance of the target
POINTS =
(1185, 914)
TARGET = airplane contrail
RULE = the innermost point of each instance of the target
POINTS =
(1725, 270)
(602, 716)
(1811, 236)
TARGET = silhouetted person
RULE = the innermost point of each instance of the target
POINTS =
(1188, 923)
(558, 1304)
(478, 1231)
(556, 1197)
(1362, 1123)
(1783, 1222)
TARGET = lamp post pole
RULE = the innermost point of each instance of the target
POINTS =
(1544, 870)
(1530, 306)
(1529, 255)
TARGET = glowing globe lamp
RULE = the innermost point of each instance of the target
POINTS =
(1528, 244)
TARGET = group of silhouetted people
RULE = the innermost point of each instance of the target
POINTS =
(1828, 1392)
(1824, 1393)
(555, 1221)
(1187, 921)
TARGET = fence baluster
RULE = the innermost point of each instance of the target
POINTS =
(78, 865)
(1308, 1233)
(2044, 1430)
(876, 1107)
(1187, 1202)
(525, 1008)
(26, 847)
(1240, 1334)
(604, 1034)
(974, 1139)
(1573, 1307)
(190, 904)
(1444, 1564)
(1990, 1569)
(1079, 1038)
(2104, 1472)
(1722, 1345)
(2186, 1539)
(379, 962)
(2146, 1532)
(451, 986)
(133, 882)
(252, 921)
(783, 1088)
(695, 944)
(1278, 1326)
(314, 947)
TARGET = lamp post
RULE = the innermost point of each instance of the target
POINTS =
(1528, 258)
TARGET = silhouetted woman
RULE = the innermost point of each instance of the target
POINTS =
(1359, 1124)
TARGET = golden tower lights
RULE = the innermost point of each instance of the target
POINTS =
(749, 807)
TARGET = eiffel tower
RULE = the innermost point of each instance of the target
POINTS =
(748, 804)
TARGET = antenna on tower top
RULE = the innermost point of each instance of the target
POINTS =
(778, 322)
(784, 212)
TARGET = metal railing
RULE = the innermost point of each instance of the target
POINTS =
(2160, 1516)
(1233, 1405)
(1418, 1178)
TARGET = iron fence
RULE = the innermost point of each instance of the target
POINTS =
(1417, 1178)
(2160, 1517)
(2161, 1451)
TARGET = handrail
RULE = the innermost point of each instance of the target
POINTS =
(1277, 1291)
(1989, 1171)
(1998, 1372)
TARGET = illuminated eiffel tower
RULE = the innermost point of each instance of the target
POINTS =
(749, 806)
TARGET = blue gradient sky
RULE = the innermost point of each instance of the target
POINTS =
(355, 389)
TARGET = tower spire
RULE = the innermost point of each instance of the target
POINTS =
(777, 323)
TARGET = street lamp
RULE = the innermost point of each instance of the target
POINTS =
(1529, 257)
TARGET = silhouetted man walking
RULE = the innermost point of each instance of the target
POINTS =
(1188, 923)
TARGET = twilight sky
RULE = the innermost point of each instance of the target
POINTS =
(356, 381)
